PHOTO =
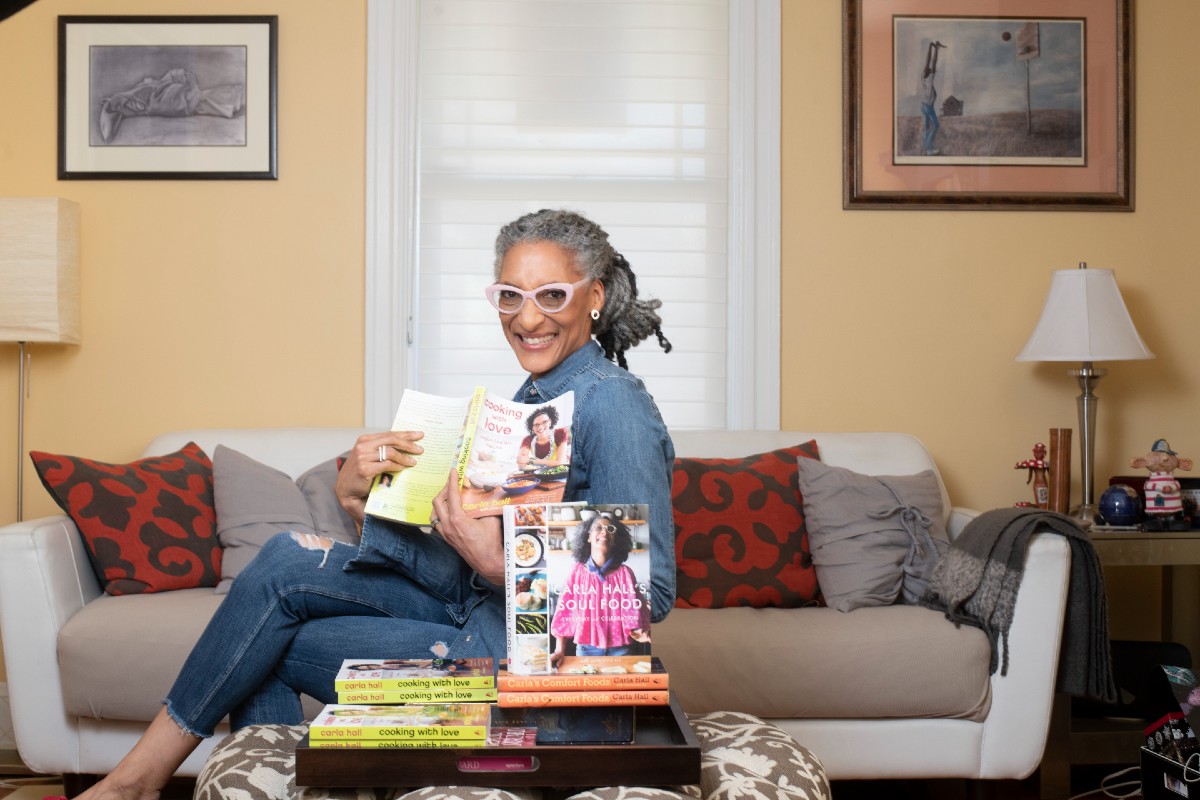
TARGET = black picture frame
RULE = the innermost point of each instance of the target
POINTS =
(889, 164)
(167, 97)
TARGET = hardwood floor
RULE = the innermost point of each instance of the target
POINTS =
(1083, 780)
(178, 789)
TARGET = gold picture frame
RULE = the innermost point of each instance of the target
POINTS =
(1032, 105)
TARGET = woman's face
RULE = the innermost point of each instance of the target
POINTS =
(540, 340)
(542, 427)
(599, 538)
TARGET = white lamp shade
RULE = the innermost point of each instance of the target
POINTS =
(1084, 319)
(39, 270)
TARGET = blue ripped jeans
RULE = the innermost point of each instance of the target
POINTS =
(297, 611)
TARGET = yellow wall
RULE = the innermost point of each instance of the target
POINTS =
(910, 320)
(241, 303)
(205, 303)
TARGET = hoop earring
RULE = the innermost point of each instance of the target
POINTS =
(595, 313)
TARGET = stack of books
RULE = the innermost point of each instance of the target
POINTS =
(588, 681)
(412, 703)
(428, 680)
(412, 725)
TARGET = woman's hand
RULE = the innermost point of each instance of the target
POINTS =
(560, 652)
(640, 635)
(478, 541)
(399, 450)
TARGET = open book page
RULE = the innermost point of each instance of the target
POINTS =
(503, 452)
(407, 495)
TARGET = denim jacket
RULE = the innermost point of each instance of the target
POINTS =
(620, 451)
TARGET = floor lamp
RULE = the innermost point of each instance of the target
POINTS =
(39, 288)
(1085, 320)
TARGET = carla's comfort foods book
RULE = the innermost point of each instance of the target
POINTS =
(577, 577)
(597, 697)
(582, 673)
(503, 453)
(411, 674)
(446, 721)
(399, 696)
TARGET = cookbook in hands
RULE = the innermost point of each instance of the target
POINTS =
(577, 582)
(502, 452)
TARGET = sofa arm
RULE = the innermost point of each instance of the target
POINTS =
(45, 577)
(959, 517)
(1019, 720)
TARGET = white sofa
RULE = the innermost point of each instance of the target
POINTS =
(46, 580)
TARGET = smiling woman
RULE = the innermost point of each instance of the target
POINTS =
(551, 247)
(294, 612)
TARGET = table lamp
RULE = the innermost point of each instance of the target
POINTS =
(1085, 320)
(39, 287)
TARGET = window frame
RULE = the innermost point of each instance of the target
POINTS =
(391, 205)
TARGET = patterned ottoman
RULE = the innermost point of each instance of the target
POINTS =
(742, 757)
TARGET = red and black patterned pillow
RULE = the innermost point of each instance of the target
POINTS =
(740, 538)
(148, 526)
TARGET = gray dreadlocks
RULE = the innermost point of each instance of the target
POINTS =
(625, 320)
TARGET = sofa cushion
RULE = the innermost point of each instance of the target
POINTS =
(254, 502)
(875, 538)
(740, 537)
(149, 525)
(880, 662)
(118, 656)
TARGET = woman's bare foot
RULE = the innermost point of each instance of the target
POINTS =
(146, 769)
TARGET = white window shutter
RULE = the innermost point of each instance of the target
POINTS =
(620, 111)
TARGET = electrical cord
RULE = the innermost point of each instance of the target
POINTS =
(1109, 788)
(1191, 773)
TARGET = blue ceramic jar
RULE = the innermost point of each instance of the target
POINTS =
(1120, 505)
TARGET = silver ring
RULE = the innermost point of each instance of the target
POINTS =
(433, 520)
(382, 453)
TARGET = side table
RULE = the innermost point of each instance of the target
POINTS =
(1073, 741)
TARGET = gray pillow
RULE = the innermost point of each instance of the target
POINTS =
(254, 502)
(874, 539)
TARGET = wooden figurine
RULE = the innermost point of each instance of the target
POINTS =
(1164, 503)
(1038, 468)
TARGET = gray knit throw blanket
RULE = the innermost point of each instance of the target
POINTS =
(976, 583)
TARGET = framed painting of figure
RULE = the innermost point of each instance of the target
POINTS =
(167, 97)
(1015, 104)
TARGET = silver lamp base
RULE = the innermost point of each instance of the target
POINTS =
(1086, 515)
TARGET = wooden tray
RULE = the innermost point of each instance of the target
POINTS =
(665, 751)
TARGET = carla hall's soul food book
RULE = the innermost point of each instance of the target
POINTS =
(503, 452)
(557, 596)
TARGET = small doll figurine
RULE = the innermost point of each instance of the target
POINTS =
(1164, 504)
(1037, 476)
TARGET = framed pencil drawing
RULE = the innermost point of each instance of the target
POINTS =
(167, 97)
(997, 104)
